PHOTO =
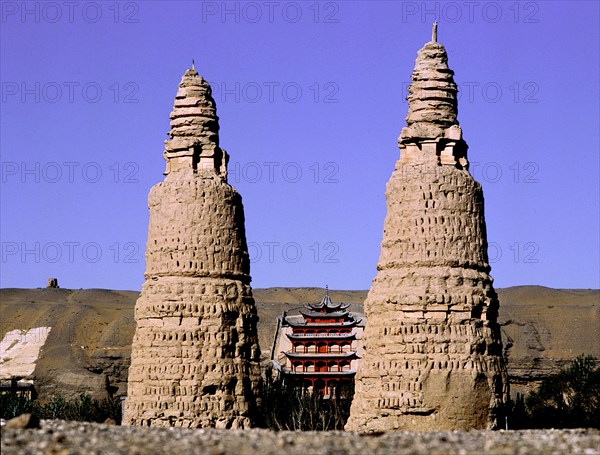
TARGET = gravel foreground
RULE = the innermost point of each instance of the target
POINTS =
(61, 438)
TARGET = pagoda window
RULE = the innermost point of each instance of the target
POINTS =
(321, 366)
(311, 347)
(298, 367)
(309, 366)
(346, 347)
(322, 348)
(299, 348)
(336, 348)
(344, 366)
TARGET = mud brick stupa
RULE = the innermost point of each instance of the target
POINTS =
(194, 361)
(433, 353)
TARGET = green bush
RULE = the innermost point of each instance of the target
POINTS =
(286, 405)
(568, 399)
(13, 405)
(83, 408)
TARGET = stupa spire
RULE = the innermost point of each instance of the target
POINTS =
(433, 111)
(194, 134)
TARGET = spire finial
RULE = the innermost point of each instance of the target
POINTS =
(434, 32)
(193, 65)
(327, 290)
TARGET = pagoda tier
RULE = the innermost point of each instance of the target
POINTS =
(319, 355)
(293, 323)
(332, 336)
(304, 374)
(318, 314)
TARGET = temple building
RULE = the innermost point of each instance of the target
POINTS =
(319, 344)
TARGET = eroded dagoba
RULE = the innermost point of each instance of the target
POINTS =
(433, 353)
(194, 361)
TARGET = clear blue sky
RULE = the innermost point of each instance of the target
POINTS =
(311, 97)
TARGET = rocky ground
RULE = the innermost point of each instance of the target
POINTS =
(60, 437)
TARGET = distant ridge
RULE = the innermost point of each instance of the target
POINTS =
(90, 341)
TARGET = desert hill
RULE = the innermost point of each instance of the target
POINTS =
(88, 346)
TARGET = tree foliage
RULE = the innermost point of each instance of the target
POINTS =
(83, 408)
(286, 405)
(568, 399)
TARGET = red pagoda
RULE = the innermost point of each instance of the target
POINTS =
(320, 346)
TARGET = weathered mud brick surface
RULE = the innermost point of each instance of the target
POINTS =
(433, 353)
(195, 353)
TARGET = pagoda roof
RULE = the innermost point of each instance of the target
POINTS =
(318, 314)
(328, 304)
(293, 323)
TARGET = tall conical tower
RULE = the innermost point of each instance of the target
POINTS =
(194, 361)
(433, 353)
